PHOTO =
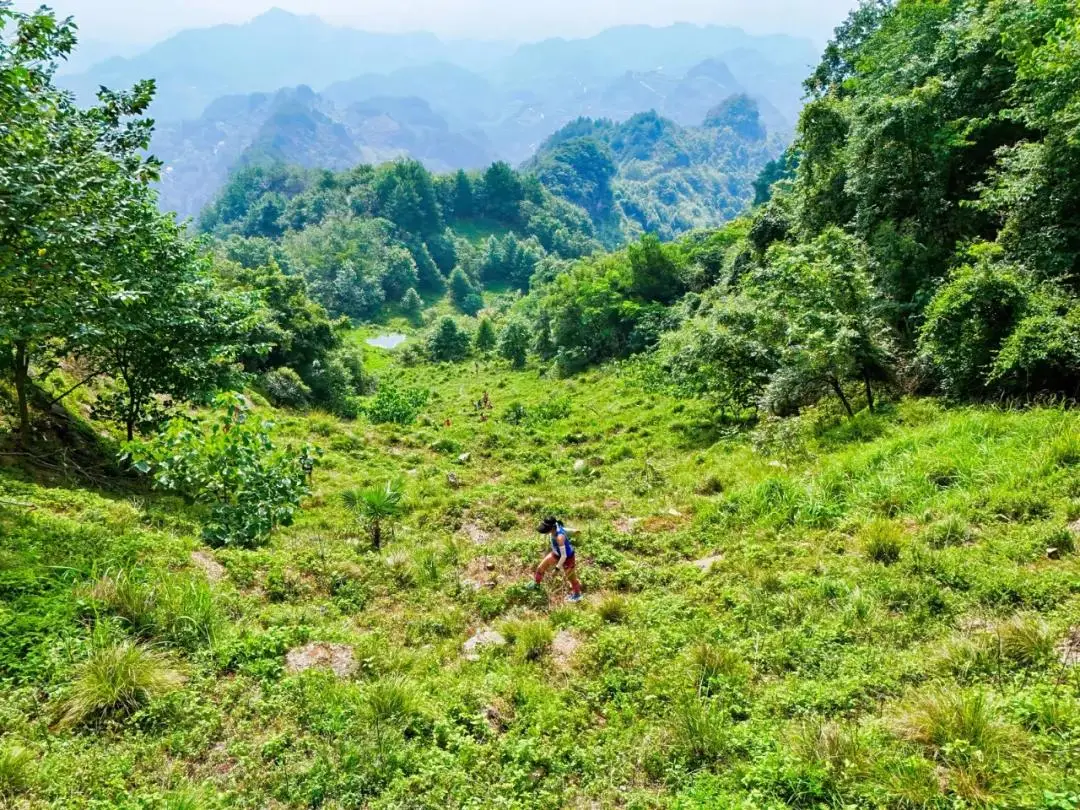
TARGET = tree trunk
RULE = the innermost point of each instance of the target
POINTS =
(869, 392)
(22, 384)
(840, 393)
(376, 536)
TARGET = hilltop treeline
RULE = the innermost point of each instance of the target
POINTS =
(363, 238)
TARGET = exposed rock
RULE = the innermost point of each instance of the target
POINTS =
(452, 480)
(482, 638)
(339, 658)
(626, 525)
(475, 533)
(1069, 648)
(205, 561)
(1053, 553)
(464, 458)
(706, 563)
(580, 466)
(563, 647)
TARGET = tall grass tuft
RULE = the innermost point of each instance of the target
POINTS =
(16, 770)
(700, 731)
(115, 680)
(392, 701)
(838, 747)
(882, 541)
(531, 637)
(959, 727)
(1025, 640)
(613, 608)
(710, 663)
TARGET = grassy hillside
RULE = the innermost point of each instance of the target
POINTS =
(827, 613)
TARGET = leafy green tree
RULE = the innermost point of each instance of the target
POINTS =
(464, 204)
(228, 461)
(485, 339)
(514, 343)
(464, 294)
(406, 196)
(448, 342)
(819, 313)
(72, 184)
(656, 274)
(412, 305)
(581, 170)
(503, 194)
(173, 334)
(290, 330)
(718, 356)
(401, 273)
(376, 508)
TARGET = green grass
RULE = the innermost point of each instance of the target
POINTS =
(879, 625)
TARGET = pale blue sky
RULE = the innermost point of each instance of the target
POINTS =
(150, 20)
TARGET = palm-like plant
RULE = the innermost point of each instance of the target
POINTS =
(374, 507)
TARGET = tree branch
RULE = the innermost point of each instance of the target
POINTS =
(75, 387)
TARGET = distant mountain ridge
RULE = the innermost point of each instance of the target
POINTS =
(294, 88)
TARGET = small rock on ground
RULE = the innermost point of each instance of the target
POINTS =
(563, 647)
(205, 561)
(1069, 649)
(706, 563)
(339, 658)
(481, 639)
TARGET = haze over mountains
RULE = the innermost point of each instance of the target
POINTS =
(295, 89)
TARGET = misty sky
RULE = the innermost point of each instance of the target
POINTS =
(126, 21)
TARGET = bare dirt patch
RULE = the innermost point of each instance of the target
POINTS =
(563, 647)
(204, 561)
(338, 658)
(476, 534)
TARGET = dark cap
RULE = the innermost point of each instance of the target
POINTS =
(547, 525)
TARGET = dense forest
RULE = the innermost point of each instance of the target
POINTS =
(812, 430)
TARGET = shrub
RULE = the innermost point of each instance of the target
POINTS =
(228, 461)
(114, 681)
(485, 339)
(448, 342)
(398, 406)
(285, 389)
(514, 343)
(16, 770)
(882, 541)
(412, 305)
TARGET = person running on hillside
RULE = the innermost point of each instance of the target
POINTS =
(561, 556)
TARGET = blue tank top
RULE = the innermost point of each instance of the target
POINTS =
(561, 533)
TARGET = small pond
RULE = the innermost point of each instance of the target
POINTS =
(391, 341)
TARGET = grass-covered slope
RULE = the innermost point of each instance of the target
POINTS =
(856, 614)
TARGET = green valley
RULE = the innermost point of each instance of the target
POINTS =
(804, 413)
